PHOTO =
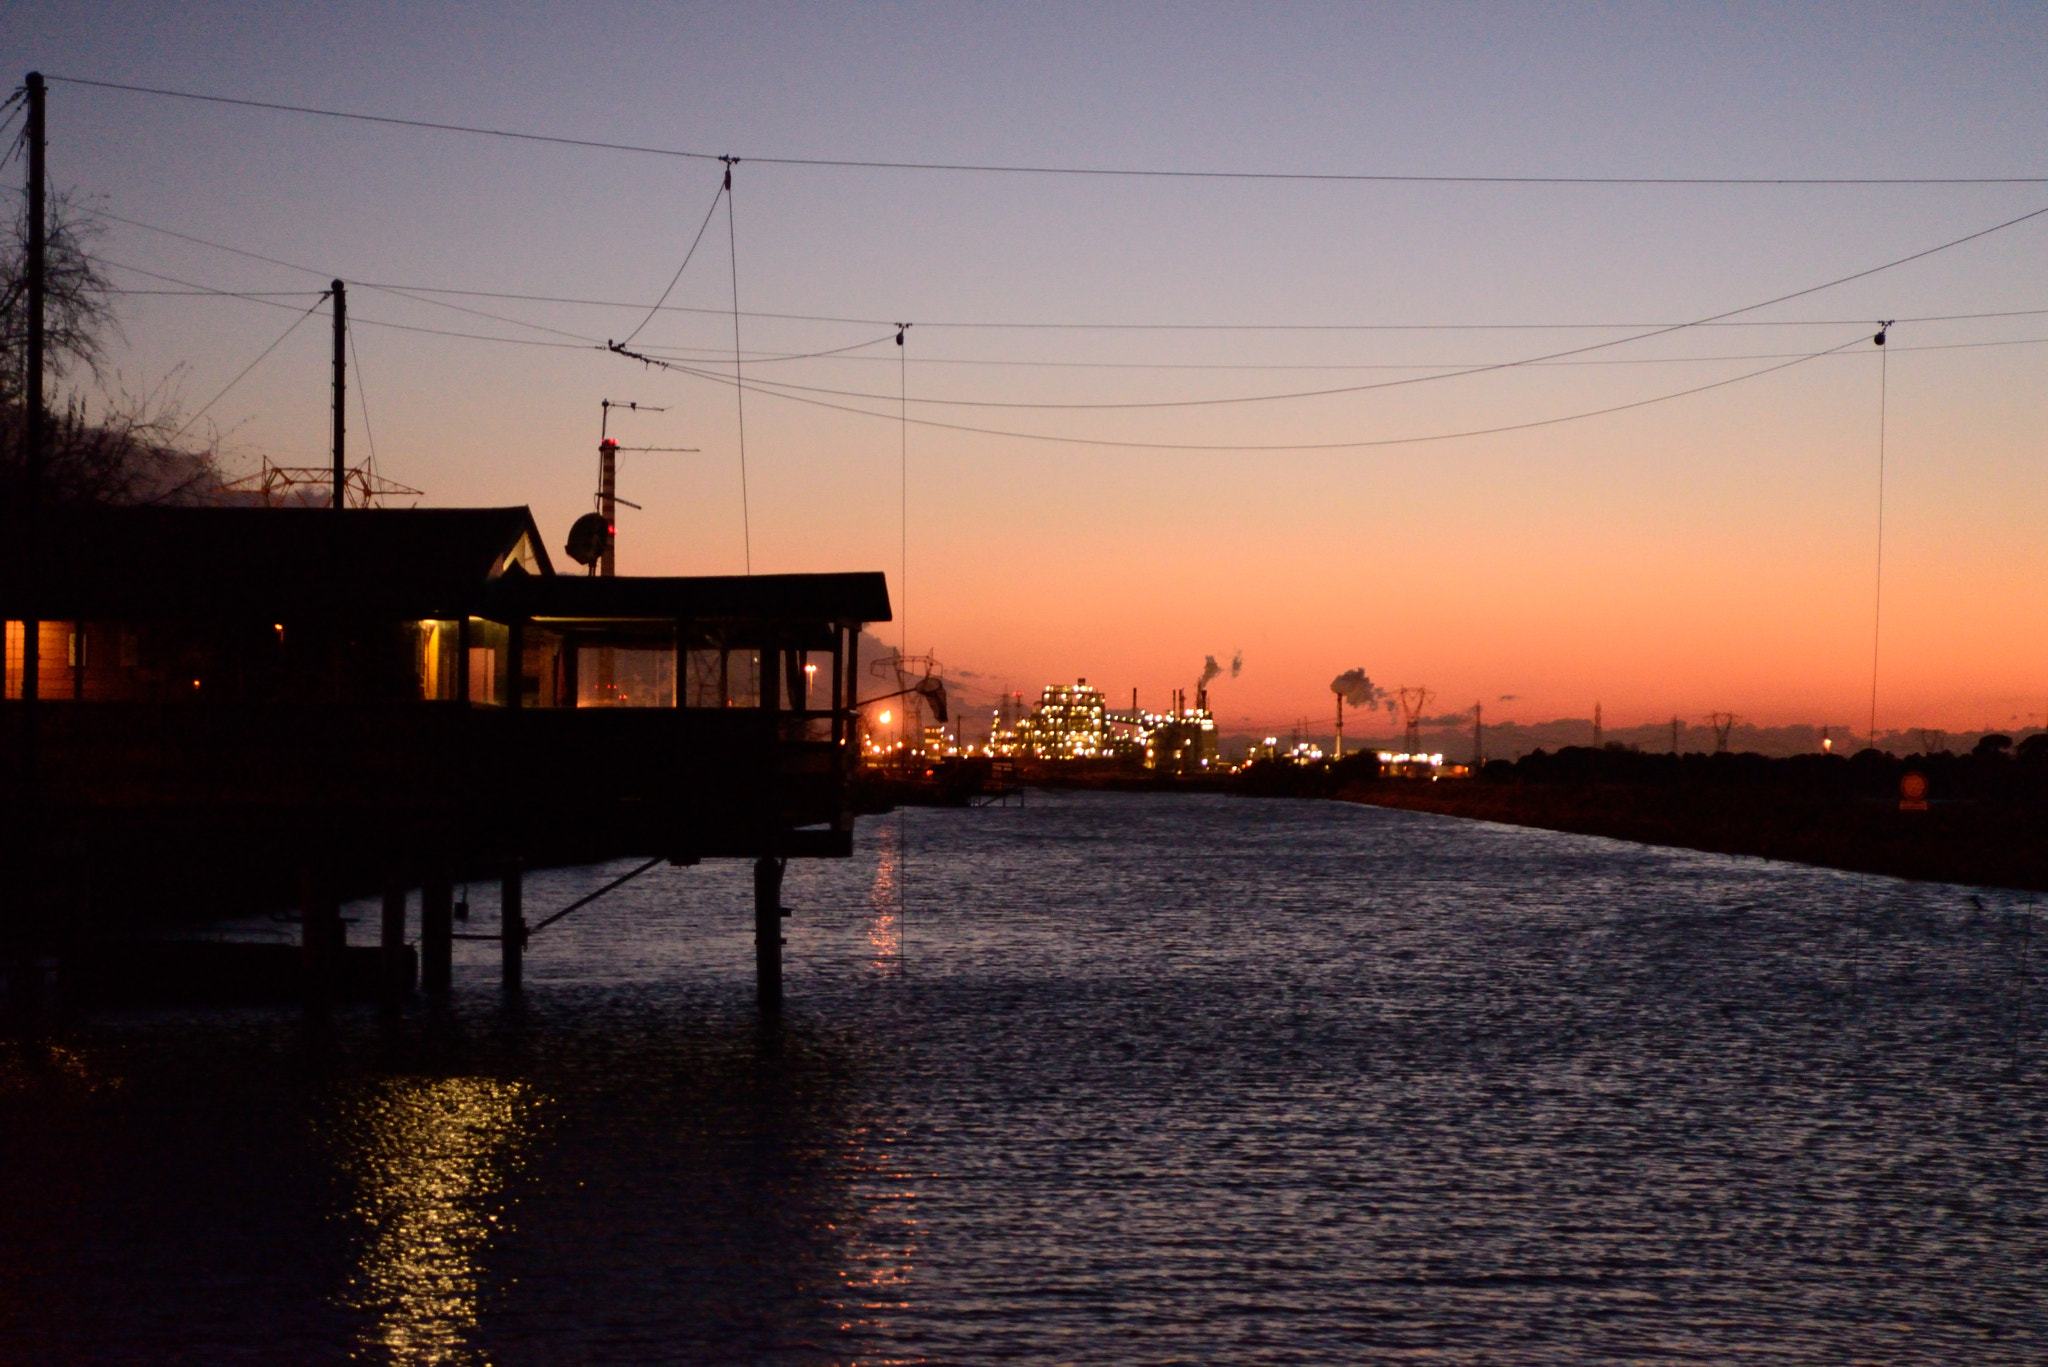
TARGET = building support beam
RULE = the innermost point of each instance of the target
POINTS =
(322, 936)
(768, 934)
(437, 937)
(391, 942)
(512, 926)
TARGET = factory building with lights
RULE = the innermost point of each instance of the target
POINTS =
(1073, 722)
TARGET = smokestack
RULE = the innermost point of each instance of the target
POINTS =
(1340, 727)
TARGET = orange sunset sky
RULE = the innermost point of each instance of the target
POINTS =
(1714, 551)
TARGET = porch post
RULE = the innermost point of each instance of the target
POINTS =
(437, 935)
(768, 934)
(391, 943)
(512, 925)
(322, 936)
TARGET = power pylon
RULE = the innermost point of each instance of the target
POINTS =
(1413, 701)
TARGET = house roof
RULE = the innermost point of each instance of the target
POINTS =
(841, 598)
(144, 563)
(277, 564)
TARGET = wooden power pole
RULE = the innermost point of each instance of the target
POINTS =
(340, 296)
(32, 462)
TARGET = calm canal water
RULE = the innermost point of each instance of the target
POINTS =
(1102, 1080)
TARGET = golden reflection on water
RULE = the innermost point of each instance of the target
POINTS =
(431, 1158)
(26, 1065)
(885, 898)
(881, 1245)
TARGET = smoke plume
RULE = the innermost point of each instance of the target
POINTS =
(1355, 688)
(1237, 664)
(1210, 669)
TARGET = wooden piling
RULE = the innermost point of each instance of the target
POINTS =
(768, 934)
(397, 981)
(437, 936)
(512, 925)
(322, 936)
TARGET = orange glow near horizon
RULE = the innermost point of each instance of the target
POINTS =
(1707, 543)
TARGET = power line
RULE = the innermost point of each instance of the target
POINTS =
(762, 387)
(686, 262)
(247, 368)
(367, 322)
(1412, 380)
(1054, 325)
(399, 290)
(1094, 172)
(199, 292)
(845, 353)
(1877, 596)
(739, 388)
(1465, 372)
(363, 399)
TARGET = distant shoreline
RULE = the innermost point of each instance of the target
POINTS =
(1980, 844)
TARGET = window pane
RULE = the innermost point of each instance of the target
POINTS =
(722, 678)
(614, 676)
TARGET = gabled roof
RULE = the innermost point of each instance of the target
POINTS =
(841, 598)
(269, 563)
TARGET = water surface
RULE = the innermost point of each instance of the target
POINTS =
(1105, 1079)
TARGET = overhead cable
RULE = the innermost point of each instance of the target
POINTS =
(759, 388)
(1461, 373)
(716, 195)
(244, 372)
(1049, 325)
(849, 354)
(1023, 169)
(592, 345)
(739, 388)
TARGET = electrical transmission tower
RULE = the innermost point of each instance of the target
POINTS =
(1413, 701)
(1723, 723)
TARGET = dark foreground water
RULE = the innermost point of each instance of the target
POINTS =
(1106, 1079)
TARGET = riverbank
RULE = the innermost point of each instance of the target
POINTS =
(1990, 832)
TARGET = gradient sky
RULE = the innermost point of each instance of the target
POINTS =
(1715, 552)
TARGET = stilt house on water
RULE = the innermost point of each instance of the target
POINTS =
(240, 707)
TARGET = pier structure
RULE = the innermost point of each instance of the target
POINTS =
(245, 708)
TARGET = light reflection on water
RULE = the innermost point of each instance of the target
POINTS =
(885, 899)
(430, 1158)
(877, 1279)
(1167, 1078)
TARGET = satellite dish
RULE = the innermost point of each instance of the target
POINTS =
(589, 538)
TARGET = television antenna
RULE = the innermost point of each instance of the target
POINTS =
(594, 539)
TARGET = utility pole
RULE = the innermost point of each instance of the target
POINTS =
(339, 293)
(23, 874)
(1596, 726)
(1478, 735)
(32, 466)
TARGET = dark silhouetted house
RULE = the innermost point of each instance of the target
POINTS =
(231, 701)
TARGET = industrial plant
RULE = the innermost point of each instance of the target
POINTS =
(1074, 724)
